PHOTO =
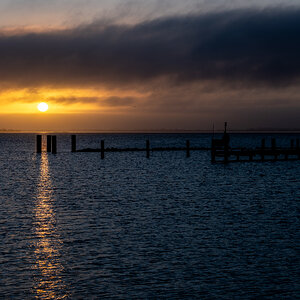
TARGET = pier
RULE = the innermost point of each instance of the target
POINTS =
(52, 147)
(187, 149)
(221, 152)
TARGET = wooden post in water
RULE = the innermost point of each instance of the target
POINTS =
(226, 143)
(292, 144)
(54, 148)
(48, 143)
(286, 155)
(298, 148)
(273, 144)
(73, 141)
(148, 149)
(263, 145)
(226, 148)
(38, 143)
(213, 151)
(102, 149)
(274, 148)
(187, 148)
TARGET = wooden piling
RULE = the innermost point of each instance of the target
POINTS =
(226, 153)
(213, 151)
(54, 146)
(38, 144)
(187, 148)
(226, 140)
(48, 143)
(263, 145)
(73, 142)
(273, 144)
(102, 149)
(286, 156)
(292, 144)
(148, 149)
(274, 148)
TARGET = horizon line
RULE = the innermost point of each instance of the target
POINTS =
(249, 130)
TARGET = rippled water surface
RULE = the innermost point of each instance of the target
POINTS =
(74, 226)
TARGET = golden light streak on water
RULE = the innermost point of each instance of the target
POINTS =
(49, 283)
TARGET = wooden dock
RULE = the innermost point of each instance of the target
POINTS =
(258, 154)
(52, 147)
(221, 152)
(147, 149)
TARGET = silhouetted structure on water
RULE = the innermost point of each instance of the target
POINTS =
(221, 152)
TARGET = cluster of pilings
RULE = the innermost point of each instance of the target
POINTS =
(51, 144)
(52, 147)
(221, 149)
(147, 149)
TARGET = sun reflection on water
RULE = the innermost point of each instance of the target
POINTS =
(49, 283)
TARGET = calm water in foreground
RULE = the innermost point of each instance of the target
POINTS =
(77, 227)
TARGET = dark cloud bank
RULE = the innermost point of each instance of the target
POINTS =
(244, 46)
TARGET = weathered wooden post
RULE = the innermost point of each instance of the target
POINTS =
(274, 148)
(102, 149)
(38, 143)
(213, 151)
(148, 149)
(48, 143)
(286, 155)
(73, 141)
(226, 140)
(292, 144)
(298, 148)
(273, 144)
(263, 146)
(226, 149)
(54, 148)
(187, 148)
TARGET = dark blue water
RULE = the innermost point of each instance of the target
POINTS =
(73, 226)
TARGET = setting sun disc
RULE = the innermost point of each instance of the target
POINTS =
(42, 107)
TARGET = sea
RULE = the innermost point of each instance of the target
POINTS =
(75, 226)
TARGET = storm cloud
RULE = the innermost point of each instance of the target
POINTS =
(246, 47)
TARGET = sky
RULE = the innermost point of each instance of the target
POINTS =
(149, 65)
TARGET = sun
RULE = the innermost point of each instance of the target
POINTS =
(42, 107)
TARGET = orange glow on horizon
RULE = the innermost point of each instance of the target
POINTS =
(61, 101)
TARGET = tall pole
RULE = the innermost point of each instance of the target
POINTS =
(102, 149)
(148, 149)
(73, 140)
(38, 143)
(48, 143)
(187, 148)
(54, 146)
